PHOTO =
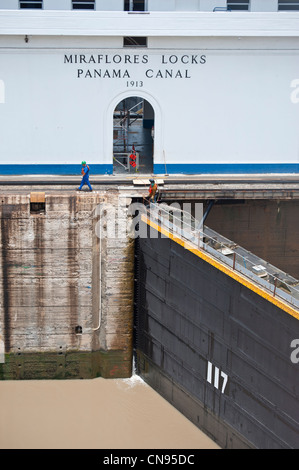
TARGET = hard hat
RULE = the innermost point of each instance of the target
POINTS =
(83, 163)
(152, 181)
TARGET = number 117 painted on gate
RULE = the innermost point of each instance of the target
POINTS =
(216, 376)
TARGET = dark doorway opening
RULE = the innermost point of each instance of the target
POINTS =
(133, 136)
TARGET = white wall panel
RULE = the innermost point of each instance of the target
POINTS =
(158, 5)
(9, 4)
(209, 5)
(264, 5)
(57, 4)
(110, 5)
(234, 108)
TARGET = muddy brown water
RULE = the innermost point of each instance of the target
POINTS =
(92, 414)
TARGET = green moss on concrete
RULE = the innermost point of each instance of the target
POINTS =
(69, 365)
(116, 365)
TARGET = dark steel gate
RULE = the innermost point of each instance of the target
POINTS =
(219, 352)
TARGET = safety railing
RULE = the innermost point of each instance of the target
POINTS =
(127, 160)
(181, 223)
(221, 9)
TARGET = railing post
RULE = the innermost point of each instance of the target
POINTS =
(275, 285)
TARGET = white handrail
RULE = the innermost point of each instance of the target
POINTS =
(202, 239)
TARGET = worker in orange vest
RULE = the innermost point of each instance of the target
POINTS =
(153, 191)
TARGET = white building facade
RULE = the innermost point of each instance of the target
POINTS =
(222, 79)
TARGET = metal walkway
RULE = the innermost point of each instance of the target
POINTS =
(258, 275)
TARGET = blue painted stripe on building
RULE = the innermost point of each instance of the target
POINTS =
(69, 170)
(173, 168)
(230, 168)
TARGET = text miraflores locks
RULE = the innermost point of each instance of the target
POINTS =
(172, 61)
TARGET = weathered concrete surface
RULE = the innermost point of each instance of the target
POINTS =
(267, 228)
(57, 274)
(57, 278)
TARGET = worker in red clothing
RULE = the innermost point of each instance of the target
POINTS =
(153, 191)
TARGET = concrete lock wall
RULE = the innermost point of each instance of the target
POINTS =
(66, 309)
(268, 229)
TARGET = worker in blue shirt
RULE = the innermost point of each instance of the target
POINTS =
(85, 179)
